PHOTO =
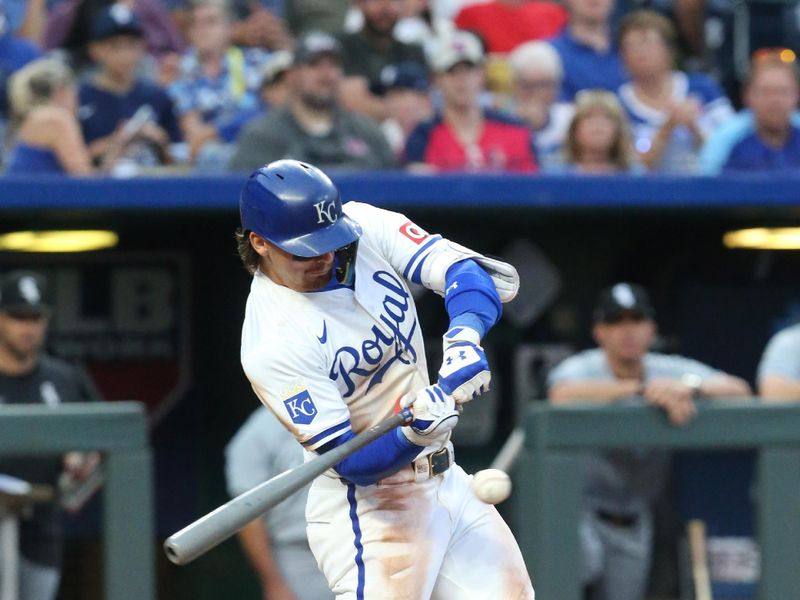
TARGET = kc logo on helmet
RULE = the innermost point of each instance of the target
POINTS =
(301, 408)
(326, 214)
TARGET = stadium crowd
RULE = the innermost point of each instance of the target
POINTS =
(578, 86)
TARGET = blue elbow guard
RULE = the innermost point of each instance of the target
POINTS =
(471, 298)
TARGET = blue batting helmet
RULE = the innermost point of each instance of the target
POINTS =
(295, 206)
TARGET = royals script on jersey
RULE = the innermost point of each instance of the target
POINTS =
(325, 362)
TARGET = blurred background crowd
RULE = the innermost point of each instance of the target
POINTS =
(579, 86)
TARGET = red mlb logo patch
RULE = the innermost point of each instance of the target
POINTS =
(413, 232)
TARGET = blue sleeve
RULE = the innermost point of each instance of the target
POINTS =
(417, 143)
(471, 298)
(376, 460)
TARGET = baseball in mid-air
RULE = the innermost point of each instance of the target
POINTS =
(491, 486)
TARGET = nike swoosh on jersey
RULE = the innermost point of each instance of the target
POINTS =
(324, 337)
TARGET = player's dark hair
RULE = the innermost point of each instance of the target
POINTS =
(250, 258)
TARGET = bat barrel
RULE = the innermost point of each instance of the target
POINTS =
(217, 526)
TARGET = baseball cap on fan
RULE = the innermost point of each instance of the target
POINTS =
(113, 20)
(458, 47)
(24, 293)
(623, 299)
(313, 44)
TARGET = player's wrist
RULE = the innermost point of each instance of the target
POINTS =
(463, 329)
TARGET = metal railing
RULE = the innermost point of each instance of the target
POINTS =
(119, 431)
(550, 480)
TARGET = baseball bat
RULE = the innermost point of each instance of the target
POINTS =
(205, 533)
(697, 549)
(509, 453)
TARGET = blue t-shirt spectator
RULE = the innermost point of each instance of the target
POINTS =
(681, 153)
(101, 111)
(15, 53)
(586, 68)
(718, 146)
(752, 154)
(228, 101)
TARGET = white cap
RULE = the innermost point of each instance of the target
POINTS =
(460, 46)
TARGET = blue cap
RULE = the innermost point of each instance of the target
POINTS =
(404, 75)
(116, 19)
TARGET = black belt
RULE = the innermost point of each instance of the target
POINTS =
(617, 520)
(432, 464)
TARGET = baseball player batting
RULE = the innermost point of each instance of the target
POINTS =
(331, 343)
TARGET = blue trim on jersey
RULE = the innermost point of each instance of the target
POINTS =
(378, 459)
(470, 290)
(351, 499)
(429, 243)
(323, 434)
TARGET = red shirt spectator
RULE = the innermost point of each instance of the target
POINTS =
(504, 24)
(503, 145)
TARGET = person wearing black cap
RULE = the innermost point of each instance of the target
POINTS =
(120, 112)
(405, 88)
(30, 376)
(616, 529)
(312, 126)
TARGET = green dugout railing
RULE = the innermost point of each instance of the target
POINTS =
(549, 478)
(119, 431)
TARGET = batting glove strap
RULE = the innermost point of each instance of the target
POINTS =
(459, 334)
(465, 371)
(435, 415)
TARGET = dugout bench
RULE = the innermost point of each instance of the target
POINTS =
(549, 480)
(119, 431)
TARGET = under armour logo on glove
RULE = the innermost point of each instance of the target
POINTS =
(464, 374)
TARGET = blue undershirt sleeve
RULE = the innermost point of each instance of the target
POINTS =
(470, 298)
(376, 460)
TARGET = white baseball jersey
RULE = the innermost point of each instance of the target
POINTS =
(330, 361)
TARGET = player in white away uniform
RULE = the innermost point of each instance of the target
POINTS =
(332, 345)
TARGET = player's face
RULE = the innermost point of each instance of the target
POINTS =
(296, 273)
(22, 336)
(626, 339)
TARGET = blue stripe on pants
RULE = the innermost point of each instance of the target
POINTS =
(351, 498)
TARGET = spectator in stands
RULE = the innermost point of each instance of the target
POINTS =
(15, 53)
(422, 22)
(274, 88)
(616, 528)
(536, 75)
(312, 126)
(317, 15)
(464, 137)
(406, 90)
(46, 136)
(69, 26)
(587, 50)
(260, 24)
(114, 94)
(276, 545)
(671, 112)
(217, 91)
(26, 19)
(771, 92)
(599, 138)
(28, 375)
(779, 369)
(505, 24)
(366, 52)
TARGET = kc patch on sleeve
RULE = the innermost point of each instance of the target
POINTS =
(301, 408)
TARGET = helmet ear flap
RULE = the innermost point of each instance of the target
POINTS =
(345, 261)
